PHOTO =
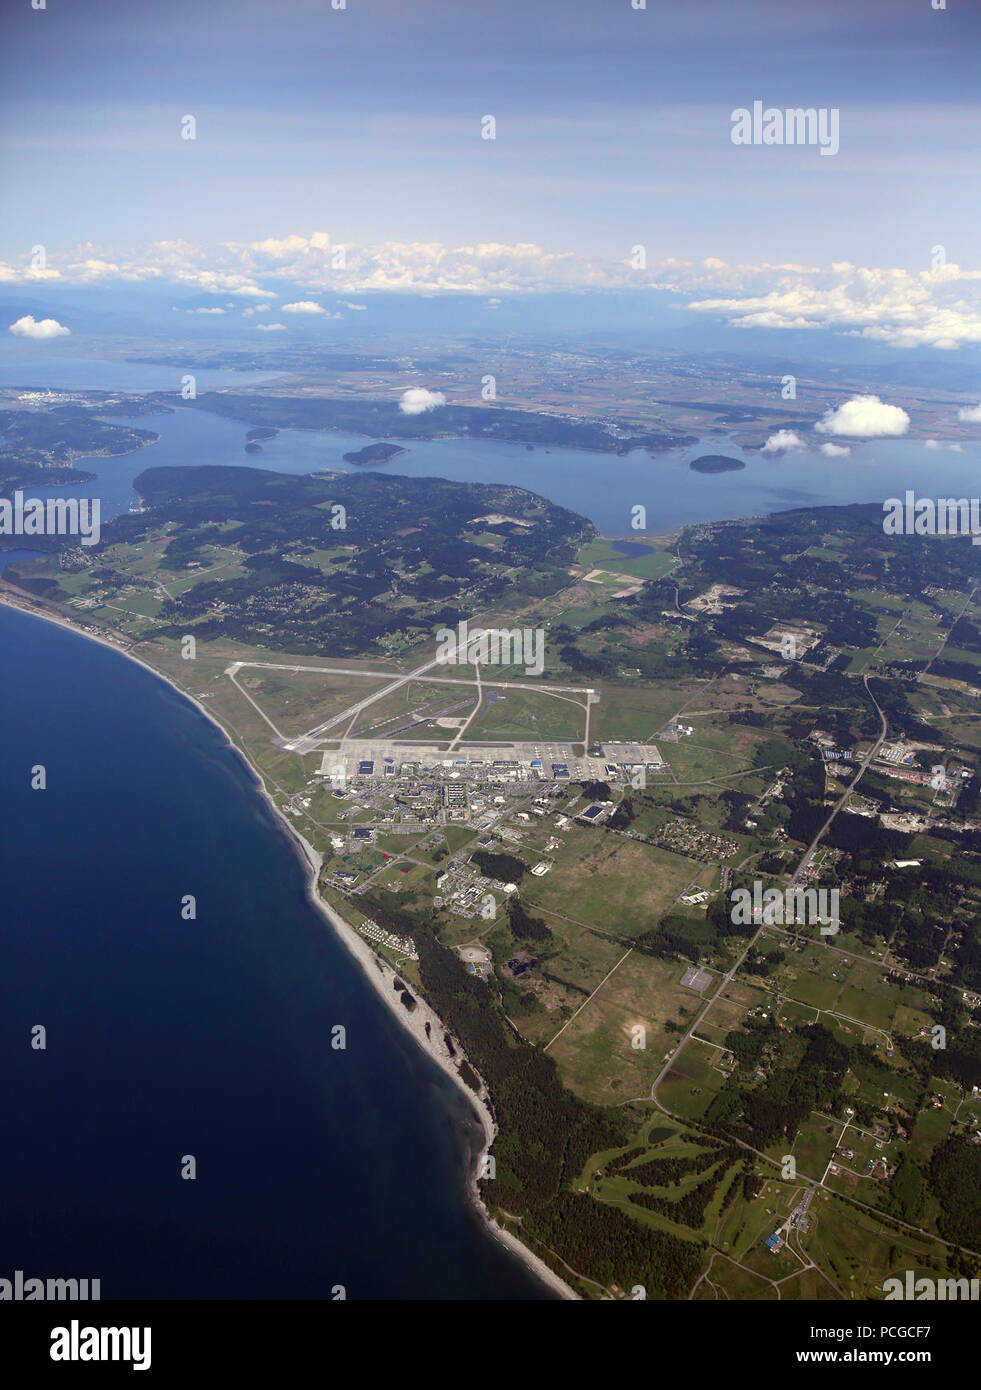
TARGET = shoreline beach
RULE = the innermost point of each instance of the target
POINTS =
(377, 971)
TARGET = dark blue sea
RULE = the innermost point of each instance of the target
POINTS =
(211, 1038)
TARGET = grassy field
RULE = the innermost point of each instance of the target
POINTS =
(526, 715)
(610, 882)
(595, 1052)
(418, 699)
(692, 1082)
(638, 712)
(300, 700)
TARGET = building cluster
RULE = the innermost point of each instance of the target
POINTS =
(401, 945)
(688, 838)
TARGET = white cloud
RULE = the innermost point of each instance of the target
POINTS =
(938, 308)
(939, 444)
(929, 308)
(864, 417)
(417, 400)
(834, 451)
(204, 311)
(971, 414)
(30, 327)
(303, 306)
(782, 442)
(255, 309)
(271, 327)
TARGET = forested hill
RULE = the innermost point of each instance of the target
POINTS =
(384, 420)
(335, 562)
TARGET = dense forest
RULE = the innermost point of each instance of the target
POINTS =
(546, 1136)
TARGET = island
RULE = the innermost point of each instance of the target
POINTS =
(374, 418)
(374, 453)
(716, 463)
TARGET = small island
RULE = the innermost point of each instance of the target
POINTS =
(716, 463)
(374, 453)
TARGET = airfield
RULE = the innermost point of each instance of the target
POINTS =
(366, 758)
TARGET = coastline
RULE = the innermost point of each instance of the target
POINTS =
(376, 970)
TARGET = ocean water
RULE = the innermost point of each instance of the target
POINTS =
(211, 1038)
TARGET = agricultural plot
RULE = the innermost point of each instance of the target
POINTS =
(814, 1146)
(739, 998)
(692, 1082)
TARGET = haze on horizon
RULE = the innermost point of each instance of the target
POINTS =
(317, 128)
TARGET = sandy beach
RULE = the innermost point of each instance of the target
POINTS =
(377, 971)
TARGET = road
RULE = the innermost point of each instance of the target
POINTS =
(808, 855)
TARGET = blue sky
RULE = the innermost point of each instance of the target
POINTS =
(612, 124)
(612, 131)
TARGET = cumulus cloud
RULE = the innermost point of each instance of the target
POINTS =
(783, 442)
(939, 308)
(204, 311)
(417, 400)
(834, 451)
(930, 308)
(30, 327)
(255, 309)
(939, 444)
(304, 306)
(271, 327)
(864, 417)
(360, 307)
(971, 414)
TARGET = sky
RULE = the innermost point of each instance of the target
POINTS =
(318, 128)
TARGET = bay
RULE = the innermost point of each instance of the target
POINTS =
(603, 487)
